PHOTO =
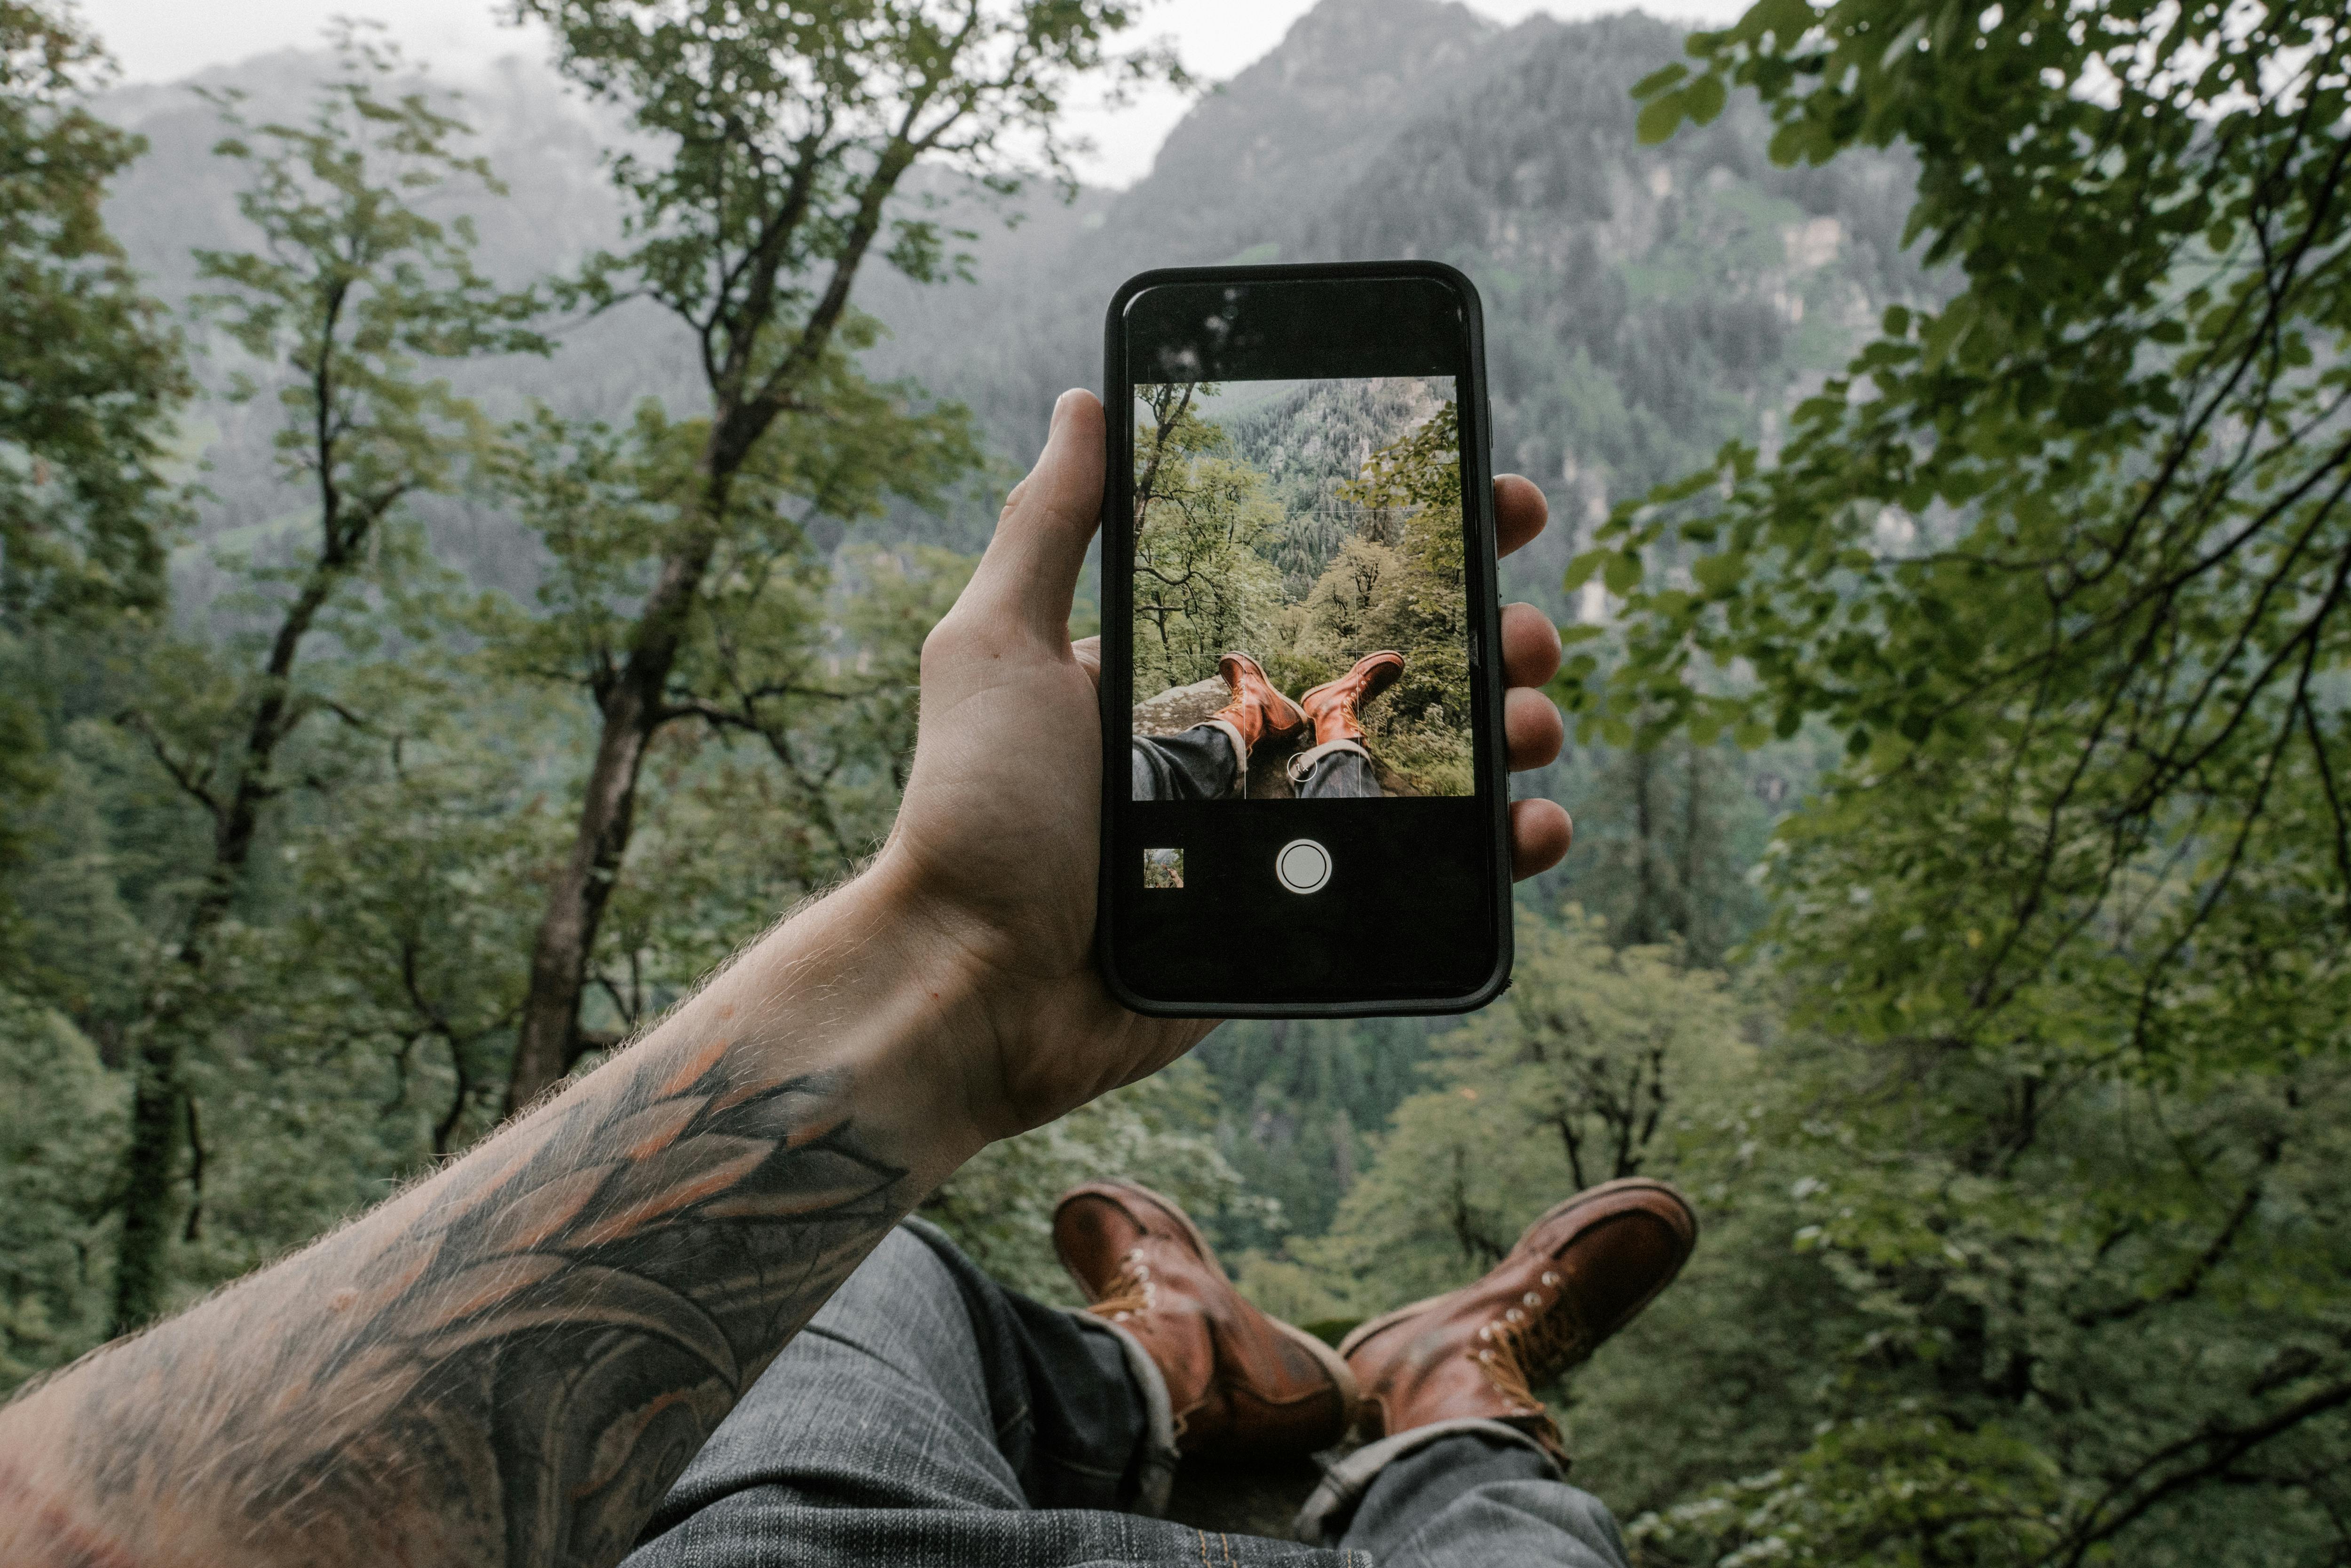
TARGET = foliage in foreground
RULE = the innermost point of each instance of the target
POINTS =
(2065, 563)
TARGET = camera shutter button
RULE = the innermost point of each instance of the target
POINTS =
(1303, 865)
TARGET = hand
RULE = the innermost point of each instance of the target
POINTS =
(998, 840)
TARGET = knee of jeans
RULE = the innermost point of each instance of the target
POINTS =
(900, 1272)
(1592, 1512)
(1575, 1511)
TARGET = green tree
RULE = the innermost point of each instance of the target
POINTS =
(2064, 565)
(780, 652)
(1201, 587)
(783, 788)
(395, 935)
(1299, 1099)
(352, 288)
(90, 375)
(1596, 1065)
(786, 137)
(92, 370)
(1666, 837)
(1420, 605)
(60, 1132)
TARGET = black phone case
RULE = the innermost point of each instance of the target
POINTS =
(1117, 636)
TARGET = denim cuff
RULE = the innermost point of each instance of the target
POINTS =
(1303, 762)
(1232, 732)
(1324, 1518)
(1155, 1471)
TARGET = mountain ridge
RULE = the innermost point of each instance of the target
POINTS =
(1642, 304)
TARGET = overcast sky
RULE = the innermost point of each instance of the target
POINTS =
(164, 40)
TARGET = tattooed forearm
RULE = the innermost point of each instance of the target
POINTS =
(510, 1363)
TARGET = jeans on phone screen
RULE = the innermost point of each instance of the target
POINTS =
(1199, 764)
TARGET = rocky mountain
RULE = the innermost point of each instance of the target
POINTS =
(1643, 303)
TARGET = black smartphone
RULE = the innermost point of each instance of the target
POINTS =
(1304, 782)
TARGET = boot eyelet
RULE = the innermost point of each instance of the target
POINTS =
(1549, 1278)
(1532, 1299)
(1513, 1315)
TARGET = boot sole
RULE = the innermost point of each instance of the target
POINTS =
(1351, 1400)
(1363, 1332)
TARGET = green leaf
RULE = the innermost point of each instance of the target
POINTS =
(1623, 572)
(1718, 574)
(1705, 96)
(1785, 20)
(1944, 332)
(1661, 117)
(1657, 81)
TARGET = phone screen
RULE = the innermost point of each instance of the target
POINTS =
(1303, 791)
(1301, 618)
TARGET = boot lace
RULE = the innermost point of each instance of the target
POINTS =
(1130, 1291)
(1530, 1343)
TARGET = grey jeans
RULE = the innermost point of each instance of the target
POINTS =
(929, 1416)
(1200, 764)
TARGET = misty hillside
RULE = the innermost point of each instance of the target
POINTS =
(1642, 304)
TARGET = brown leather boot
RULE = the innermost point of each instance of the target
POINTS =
(1257, 710)
(1336, 708)
(1576, 1276)
(1240, 1383)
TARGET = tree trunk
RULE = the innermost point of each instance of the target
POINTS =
(139, 1275)
(633, 708)
(1693, 866)
(547, 1040)
(157, 1100)
(159, 1104)
(1645, 923)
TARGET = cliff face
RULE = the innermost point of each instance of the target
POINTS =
(1314, 116)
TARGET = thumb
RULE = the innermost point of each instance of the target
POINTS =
(1030, 574)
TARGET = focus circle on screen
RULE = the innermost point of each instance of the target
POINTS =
(1303, 865)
